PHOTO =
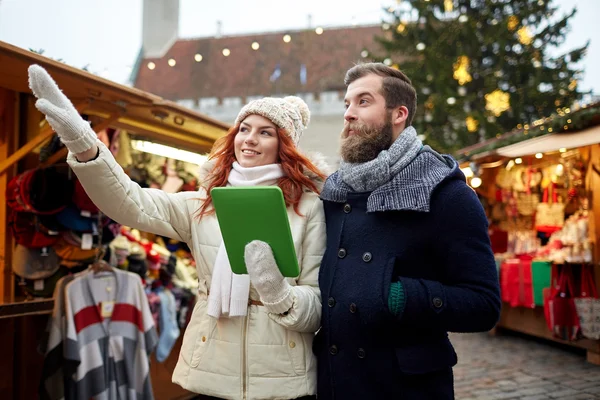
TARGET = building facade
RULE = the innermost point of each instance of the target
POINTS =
(217, 75)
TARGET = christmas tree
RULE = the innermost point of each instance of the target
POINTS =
(480, 67)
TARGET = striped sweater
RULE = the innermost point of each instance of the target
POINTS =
(109, 357)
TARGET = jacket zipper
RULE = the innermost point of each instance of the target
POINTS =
(244, 356)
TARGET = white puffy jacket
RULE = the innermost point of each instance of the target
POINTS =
(261, 356)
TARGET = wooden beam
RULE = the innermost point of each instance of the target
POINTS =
(62, 153)
(45, 133)
(8, 133)
(56, 157)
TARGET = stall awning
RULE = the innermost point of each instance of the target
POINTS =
(120, 106)
(552, 142)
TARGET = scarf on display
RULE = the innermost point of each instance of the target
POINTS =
(229, 292)
(400, 178)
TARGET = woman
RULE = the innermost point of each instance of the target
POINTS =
(259, 348)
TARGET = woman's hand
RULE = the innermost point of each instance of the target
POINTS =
(274, 291)
(76, 133)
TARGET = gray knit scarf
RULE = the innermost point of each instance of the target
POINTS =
(400, 178)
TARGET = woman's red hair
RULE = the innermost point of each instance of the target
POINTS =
(293, 163)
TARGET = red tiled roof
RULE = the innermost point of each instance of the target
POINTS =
(246, 72)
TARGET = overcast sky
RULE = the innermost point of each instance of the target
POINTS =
(106, 34)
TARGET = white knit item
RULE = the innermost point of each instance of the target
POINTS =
(275, 293)
(75, 132)
(262, 175)
(229, 292)
(290, 113)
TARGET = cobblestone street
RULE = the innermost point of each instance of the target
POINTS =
(507, 366)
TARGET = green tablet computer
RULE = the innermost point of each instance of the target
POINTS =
(250, 213)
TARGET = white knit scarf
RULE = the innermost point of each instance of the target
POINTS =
(229, 292)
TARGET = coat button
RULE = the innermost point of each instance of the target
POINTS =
(367, 257)
(352, 308)
(333, 350)
(204, 338)
(347, 208)
(361, 353)
(331, 302)
(342, 253)
(437, 302)
(292, 344)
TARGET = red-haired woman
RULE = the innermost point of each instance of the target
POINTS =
(249, 336)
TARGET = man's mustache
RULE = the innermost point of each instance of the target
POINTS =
(356, 127)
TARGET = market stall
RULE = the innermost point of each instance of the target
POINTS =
(50, 230)
(542, 198)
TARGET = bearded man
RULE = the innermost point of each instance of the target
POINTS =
(408, 255)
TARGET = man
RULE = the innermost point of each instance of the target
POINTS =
(408, 256)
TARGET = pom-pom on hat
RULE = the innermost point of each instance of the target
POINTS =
(290, 113)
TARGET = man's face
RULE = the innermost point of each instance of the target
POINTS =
(368, 123)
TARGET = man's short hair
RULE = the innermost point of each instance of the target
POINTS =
(397, 89)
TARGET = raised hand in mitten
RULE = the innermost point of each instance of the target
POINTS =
(74, 131)
(274, 291)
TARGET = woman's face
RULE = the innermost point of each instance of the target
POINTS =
(256, 143)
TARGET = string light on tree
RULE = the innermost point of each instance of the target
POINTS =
(513, 22)
(497, 102)
(525, 36)
(472, 124)
(401, 28)
(448, 5)
(573, 85)
(421, 46)
(461, 70)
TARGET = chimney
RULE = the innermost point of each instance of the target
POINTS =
(160, 26)
(309, 20)
(219, 29)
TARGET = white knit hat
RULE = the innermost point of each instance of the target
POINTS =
(290, 113)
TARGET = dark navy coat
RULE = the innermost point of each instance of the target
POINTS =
(443, 259)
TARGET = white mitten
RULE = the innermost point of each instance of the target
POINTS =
(74, 131)
(275, 293)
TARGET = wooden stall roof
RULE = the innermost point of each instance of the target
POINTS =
(132, 109)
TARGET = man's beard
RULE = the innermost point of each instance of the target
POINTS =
(366, 142)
